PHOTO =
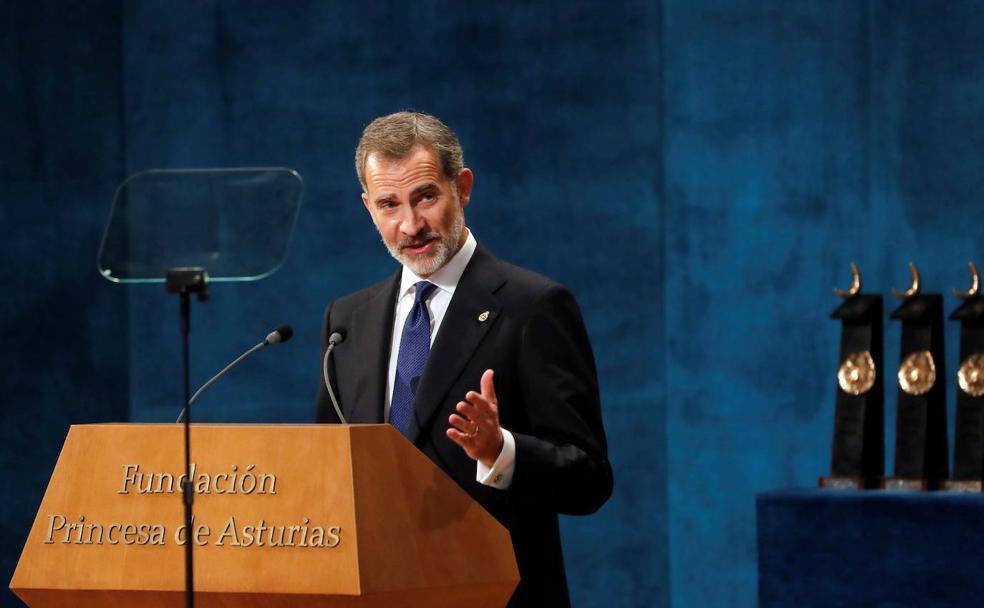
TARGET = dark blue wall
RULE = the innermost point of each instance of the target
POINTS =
(64, 333)
(798, 136)
(700, 174)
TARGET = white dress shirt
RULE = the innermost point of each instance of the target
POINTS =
(446, 280)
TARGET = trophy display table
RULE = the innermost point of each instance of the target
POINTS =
(871, 548)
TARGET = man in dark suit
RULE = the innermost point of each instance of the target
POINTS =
(484, 366)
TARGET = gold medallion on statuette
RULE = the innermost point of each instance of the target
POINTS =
(856, 375)
(971, 375)
(917, 374)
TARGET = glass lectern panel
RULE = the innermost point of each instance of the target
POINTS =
(234, 223)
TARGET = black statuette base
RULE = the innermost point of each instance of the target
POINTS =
(901, 484)
(970, 486)
(848, 483)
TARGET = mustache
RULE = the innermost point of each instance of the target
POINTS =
(418, 239)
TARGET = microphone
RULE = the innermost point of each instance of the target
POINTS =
(281, 334)
(336, 338)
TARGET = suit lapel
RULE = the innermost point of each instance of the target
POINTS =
(461, 332)
(372, 332)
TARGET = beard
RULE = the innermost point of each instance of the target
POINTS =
(445, 247)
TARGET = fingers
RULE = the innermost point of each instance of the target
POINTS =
(475, 422)
(482, 442)
(486, 402)
(463, 425)
(488, 387)
(464, 441)
(456, 436)
(476, 409)
(465, 433)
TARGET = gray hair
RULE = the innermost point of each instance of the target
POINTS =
(393, 137)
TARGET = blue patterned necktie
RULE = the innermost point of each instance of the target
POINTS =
(414, 348)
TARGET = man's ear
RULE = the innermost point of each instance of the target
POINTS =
(365, 202)
(464, 181)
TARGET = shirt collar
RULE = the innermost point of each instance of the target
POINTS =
(447, 276)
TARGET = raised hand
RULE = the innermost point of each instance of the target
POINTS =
(475, 424)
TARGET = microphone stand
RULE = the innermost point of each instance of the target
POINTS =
(184, 282)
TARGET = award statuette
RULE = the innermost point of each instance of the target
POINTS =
(920, 429)
(968, 449)
(858, 454)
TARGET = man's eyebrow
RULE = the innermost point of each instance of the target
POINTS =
(423, 188)
(383, 199)
(390, 197)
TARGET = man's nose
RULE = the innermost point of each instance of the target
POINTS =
(411, 222)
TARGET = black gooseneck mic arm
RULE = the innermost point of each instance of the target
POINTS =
(336, 338)
(281, 334)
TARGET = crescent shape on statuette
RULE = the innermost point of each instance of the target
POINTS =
(913, 289)
(975, 285)
(855, 288)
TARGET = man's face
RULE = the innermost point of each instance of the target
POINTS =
(418, 211)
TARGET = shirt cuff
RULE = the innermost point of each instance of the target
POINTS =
(501, 474)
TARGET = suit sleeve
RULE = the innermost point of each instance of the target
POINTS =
(562, 462)
(324, 411)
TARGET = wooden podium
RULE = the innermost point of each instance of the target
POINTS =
(285, 515)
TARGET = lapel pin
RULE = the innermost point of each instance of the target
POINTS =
(482, 318)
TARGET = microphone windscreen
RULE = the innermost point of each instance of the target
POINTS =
(337, 336)
(281, 334)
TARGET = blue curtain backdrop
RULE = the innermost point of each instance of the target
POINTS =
(699, 172)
